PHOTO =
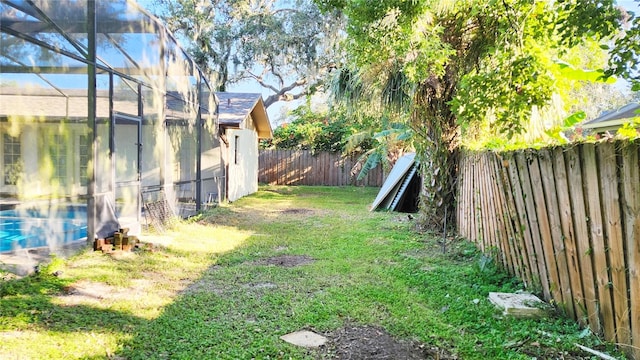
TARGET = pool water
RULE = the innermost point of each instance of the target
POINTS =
(33, 228)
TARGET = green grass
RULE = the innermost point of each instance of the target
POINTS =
(200, 293)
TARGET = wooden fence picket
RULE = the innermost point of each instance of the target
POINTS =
(512, 220)
(631, 201)
(598, 242)
(500, 207)
(532, 233)
(586, 305)
(545, 231)
(566, 222)
(526, 246)
(555, 227)
(613, 231)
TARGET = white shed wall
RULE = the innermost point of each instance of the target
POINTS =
(243, 163)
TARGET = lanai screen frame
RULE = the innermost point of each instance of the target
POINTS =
(108, 41)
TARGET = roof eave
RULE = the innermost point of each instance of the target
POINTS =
(261, 120)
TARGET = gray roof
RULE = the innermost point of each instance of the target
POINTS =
(613, 119)
(234, 108)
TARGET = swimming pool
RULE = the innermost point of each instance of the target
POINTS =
(34, 227)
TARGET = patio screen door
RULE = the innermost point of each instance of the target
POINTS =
(127, 149)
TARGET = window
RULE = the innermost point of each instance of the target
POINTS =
(12, 162)
(236, 145)
(59, 158)
(83, 152)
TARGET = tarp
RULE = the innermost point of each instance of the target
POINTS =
(404, 170)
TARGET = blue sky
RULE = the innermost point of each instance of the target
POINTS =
(629, 4)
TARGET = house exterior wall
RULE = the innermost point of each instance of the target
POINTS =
(66, 118)
(50, 161)
(242, 162)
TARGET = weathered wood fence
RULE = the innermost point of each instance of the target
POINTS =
(301, 167)
(567, 222)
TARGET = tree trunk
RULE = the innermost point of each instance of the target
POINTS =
(438, 168)
(438, 155)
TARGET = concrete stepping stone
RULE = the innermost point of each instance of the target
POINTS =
(304, 338)
(519, 305)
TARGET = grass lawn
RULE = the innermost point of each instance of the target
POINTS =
(229, 283)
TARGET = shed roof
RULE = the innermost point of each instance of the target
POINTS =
(235, 108)
(613, 119)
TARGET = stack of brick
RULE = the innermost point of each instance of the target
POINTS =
(120, 241)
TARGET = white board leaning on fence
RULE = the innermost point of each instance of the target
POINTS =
(391, 186)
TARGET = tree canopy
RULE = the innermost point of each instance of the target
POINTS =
(284, 46)
(626, 52)
(441, 64)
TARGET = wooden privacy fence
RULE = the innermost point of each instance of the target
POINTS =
(567, 222)
(301, 167)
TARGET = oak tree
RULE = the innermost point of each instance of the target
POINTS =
(284, 46)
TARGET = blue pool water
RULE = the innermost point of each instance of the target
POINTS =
(33, 227)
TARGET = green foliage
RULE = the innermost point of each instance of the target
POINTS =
(626, 51)
(444, 64)
(557, 132)
(448, 68)
(311, 131)
(331, 136)
(516, 83)
(592, 19)
(629, 130)
(289, 136)
(569, 72)
(379, 147)
(370, 160)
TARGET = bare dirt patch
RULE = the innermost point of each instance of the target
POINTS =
(285, 260)
(295, 211)
(374, 343)
(89, 292)
(280, 191)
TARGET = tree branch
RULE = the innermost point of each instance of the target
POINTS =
(281, 95)
(262, 82)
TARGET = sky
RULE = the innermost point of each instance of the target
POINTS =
(630, 5)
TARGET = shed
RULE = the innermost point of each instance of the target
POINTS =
(243, 123)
